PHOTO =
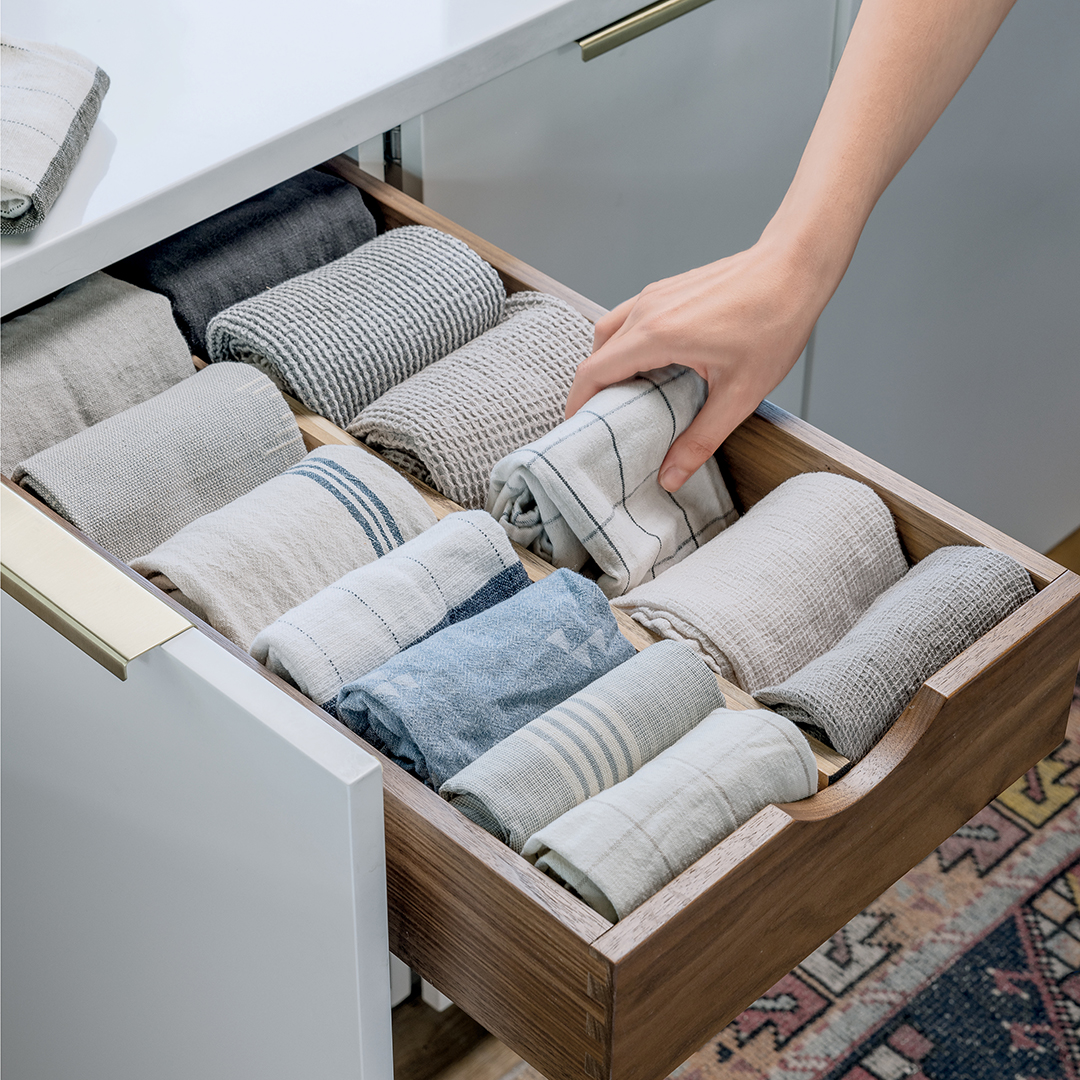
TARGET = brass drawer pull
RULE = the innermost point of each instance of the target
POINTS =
(634, 25)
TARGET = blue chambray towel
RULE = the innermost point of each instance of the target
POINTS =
(441, 704)
(454, 570)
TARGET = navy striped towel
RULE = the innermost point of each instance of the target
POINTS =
(243, 566)
(451, 572)
(590, 487)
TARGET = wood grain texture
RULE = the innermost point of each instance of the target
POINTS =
(427, 1043)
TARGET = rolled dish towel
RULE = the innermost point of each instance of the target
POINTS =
(51, 98)
(442, 703)
(454, 570)
(450, 423)
(620, 847)
(304, 222)
(781, 586)
(590, 486)
(853, 694)
(133, 480)
(592, 741)
(340, 336)
(249, 562)
(97, 348)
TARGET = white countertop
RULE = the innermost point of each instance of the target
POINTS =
(214, 100)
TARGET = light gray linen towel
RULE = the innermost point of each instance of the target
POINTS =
(450, 423)
(97, 348)
(242, 566)
(854, 693)
(590, 742)
(131, 481)
(340, 336)
(590, 486)
(450, 572)
(782, 585)
(51, 97)
(620, 847)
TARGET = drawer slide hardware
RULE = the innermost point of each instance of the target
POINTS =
(634, 25)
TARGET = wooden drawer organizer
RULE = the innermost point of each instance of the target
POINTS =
(579, 997)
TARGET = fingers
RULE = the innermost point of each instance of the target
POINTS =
(621, 358)
(611, 322)
(718, 418)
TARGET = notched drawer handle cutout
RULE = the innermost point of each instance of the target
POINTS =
(634, 25)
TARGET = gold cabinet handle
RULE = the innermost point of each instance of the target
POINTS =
(634, 25)
(82, 596)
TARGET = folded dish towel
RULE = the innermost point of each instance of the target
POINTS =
(51, 98)
(450, 423)
(251, 561)
(782, 585)
(340, 336)
(590, 486)
(853, 694)
(97, 348)
(300, 224)
(454, 570)
(619, 847)
(442, 703)
(589, 743)
(131, 481)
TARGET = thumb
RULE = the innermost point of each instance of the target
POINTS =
(718, 418)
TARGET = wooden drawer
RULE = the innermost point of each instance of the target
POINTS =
(579, 997)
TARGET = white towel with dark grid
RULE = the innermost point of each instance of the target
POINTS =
(852, 695)
(620, 847)
(51, 97)
(133, 480)
(782, 585)
(590, 486)
(452, 571)
(341, 335)
(97, 348)
(251, 561)
(450, 423)
(590, 742)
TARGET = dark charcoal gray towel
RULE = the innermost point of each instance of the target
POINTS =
(855, 691)
(133, 480)
(296, 226)
(340, 336)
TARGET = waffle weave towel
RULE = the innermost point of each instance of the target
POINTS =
(853, 694)
(590, 486)
(619, 847)
(291, 228)
(442, 703)
(249, 562)
(133, 480)
(340, 336)
(51, 98)
(450, 423)
(587, 744)
(97, 348)
(454, 570)
(782, 585)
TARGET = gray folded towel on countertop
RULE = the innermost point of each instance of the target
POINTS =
(97, 348)
(450, 423)
(340, 336)
(782, 585)
(851, 695)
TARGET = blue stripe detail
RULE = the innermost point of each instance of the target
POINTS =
(342, 498)
(379, 504)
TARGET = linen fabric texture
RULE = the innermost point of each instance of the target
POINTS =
(590, 486)
(133, 480)
(341, 335)
(854, 693)
(586, 744)
(620, 847)
(251, 561)
(442, 703)
(296, 226)
(452, 571)
(97, 348)
(782, 585)
(51, 99)
(450, 423)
